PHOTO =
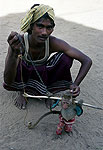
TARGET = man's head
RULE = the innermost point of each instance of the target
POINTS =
(36, 13)
(41, 29)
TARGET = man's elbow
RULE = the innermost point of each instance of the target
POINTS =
(90, 62)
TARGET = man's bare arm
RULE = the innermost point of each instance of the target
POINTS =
(12, 59)
(86, 62)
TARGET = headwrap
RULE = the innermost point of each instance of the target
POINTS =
(34, 14)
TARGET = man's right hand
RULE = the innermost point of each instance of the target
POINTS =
(15, 43)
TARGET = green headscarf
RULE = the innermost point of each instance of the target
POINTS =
(34, 14)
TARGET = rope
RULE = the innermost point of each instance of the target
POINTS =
(20, 39)
(30, 126)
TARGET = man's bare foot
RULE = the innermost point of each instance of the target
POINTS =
(20, 102)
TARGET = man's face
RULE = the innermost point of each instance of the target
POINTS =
(41, 30)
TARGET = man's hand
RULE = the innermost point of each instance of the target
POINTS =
(74, 90)
(15, 43)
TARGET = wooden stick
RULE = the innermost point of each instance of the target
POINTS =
(44, 97)
(60, 98)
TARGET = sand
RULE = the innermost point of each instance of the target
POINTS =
(88, 128)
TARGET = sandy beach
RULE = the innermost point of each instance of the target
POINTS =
(88, 129)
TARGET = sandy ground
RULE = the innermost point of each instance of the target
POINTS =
(87, 130)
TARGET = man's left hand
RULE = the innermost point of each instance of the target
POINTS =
(74, 90)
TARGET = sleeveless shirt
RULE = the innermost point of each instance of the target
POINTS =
(36, 62)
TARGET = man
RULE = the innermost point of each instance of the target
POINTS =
(34, 72)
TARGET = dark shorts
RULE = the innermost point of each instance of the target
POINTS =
(55, 75)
